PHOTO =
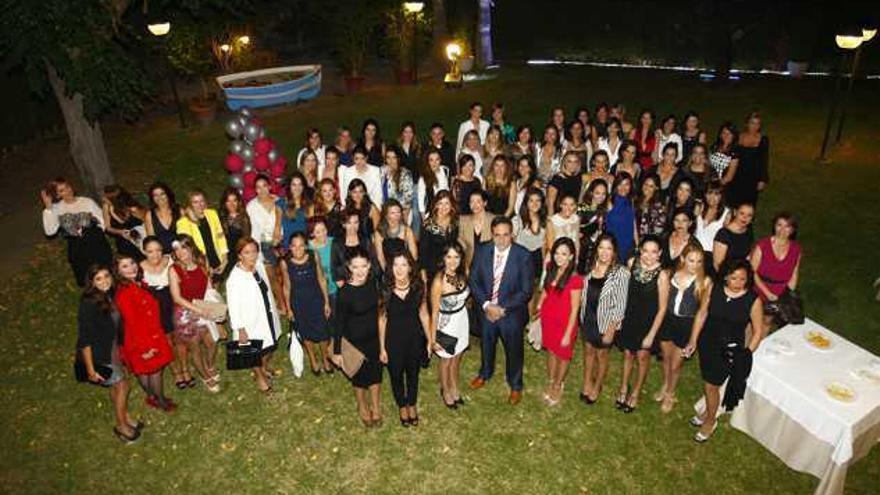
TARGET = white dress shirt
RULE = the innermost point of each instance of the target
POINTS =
(499, 262)
(372, 178)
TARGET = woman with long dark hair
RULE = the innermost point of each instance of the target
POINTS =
(79, 220)
(450, 325)
(776, 260)
(524, 145)
(397, 182)
(465, 183)
(591, 211)
(681, 236)
(725, 153)
(327, 206)
(530, 227)
(161, 219)
(357, 321)
(360, 201)
(347, 245)
(603, 303)
(434, 178)
(409, 149)
(307, 300)
(651, 212)
(371, 142)
(621, 218)
(145, 349)
(155, 268)
(559, 306)
(645, 140)
(734, 240)
(392, 235)
(404, 333)
(99, 326)
(691, 135)
(234, 219)
(440, 229)
(549, 153)
(124, 220)
(295, 208)
(646, 300)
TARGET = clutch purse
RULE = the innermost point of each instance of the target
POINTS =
(447, 342)
(216, 311)
(535, 334)
(243, 356)
(352, 358)
(82, 376)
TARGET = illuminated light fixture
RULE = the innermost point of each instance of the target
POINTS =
(868, 33)
(159, 29)
(413, 7)
(453, 78)
(244, 40)
(225, 47)
(849, 38)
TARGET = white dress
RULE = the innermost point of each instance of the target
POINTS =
(453, 320)
(566, 228)
(247, 309)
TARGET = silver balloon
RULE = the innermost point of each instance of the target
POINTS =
(262, 132)
(247, 153)
(242, 120)
(245, 111)
(236, 181)
(251, 132)
(248, 167)
(273, 155)
(280, 180)
(236, 146)
(233, 128)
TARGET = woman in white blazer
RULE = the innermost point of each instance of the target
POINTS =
(252, 312)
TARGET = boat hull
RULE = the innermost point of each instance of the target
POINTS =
(302, 88)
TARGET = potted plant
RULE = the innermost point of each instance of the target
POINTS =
(189, 53)
(406, 40)
(353, 25)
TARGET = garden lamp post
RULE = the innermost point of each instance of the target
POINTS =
(867, 35)
(412, 10)
(160, 30)
(846, 41)
(453, 78)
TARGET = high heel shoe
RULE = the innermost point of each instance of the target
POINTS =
(127, 439)
(701, 437)
(620, 403)
(631, 404)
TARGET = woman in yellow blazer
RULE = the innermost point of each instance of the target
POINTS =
(476, 228)
(203, 225)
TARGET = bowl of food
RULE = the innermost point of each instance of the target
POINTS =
(819, 340)
(841, 391)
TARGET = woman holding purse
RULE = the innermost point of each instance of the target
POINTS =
(253, 316)
(99, 324)
(776, 260)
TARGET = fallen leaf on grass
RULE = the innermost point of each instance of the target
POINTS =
(228, 447)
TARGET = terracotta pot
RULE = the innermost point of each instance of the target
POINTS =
(405, 76)
(354, 84)
(203, 111)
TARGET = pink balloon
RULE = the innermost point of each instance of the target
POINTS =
(262, 163)
(263, 146)
(249, 179)
(234, 163)
(279, 167)
(248, 194)
(277, 189)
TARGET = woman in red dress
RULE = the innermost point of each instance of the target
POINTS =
(559, 307)
(646, 142)
(145, 349)
(776, 260)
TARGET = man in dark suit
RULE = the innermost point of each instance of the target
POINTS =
(501, 281)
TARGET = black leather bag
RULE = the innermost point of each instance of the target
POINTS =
(243, 356)
(787, 309)
(82, 376)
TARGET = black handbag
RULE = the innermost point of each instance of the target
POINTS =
(243, 356)
(82, 375)
(788, 309)
(447, 342)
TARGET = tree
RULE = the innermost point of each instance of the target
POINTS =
(484, 33)
(88, 53)
(439, 30)
(80, 52)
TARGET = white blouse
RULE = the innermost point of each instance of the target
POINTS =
(663, 141)
(604, 145)
(441, 185)
(262, 220)
(81, 204)
(159, 280)
(705, 233)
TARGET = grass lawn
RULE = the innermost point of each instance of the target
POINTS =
(307, 437)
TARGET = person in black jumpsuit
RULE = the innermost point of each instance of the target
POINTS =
(403, 333)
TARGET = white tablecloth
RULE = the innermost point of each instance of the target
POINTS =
(826, 435)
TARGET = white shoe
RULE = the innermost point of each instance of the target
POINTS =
(699, 437)
(696, 421)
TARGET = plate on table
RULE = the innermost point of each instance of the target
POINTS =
(868, 372)
(819, 340)
(841, 391)
(781, 347)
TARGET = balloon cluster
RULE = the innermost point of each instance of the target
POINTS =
(251, 153)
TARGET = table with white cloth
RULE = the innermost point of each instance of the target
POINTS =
(787, 410)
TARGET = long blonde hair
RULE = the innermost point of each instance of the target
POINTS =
(702, 281)
(492, 184)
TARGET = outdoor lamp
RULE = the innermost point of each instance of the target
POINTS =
(159, 29)
(225, 47)
(244, 40)
(453, 78)
(413, 7)
(868, 33)
(848, 41)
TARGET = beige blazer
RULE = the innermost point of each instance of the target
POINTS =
(466, 234)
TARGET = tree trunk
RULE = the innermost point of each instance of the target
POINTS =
(484, 33)
(439, 32)
(86, 140)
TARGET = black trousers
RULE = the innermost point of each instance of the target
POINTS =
(404, 373)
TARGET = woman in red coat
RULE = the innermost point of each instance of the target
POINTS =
(145, 349)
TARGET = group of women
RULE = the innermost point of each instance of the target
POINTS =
(640, 235)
